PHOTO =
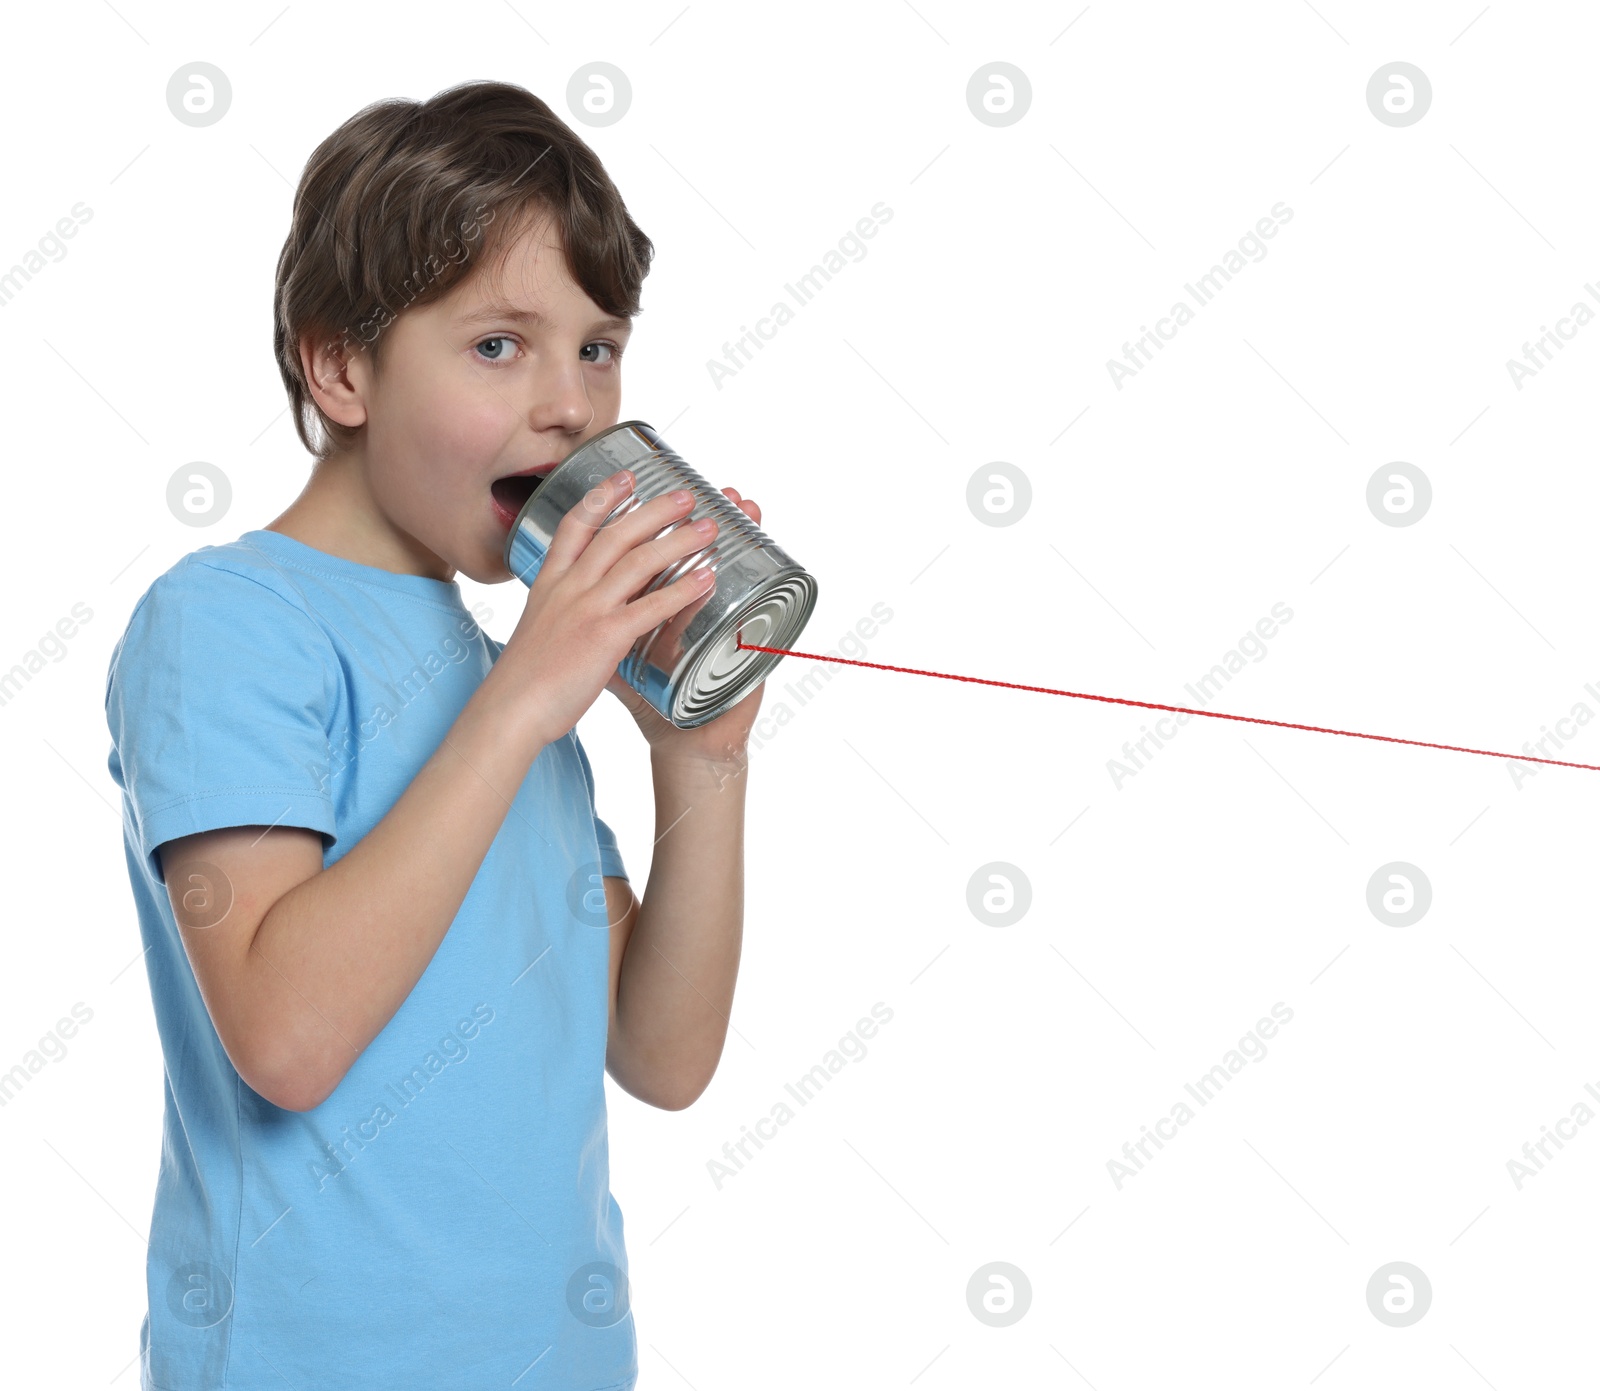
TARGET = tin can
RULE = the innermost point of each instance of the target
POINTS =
(690, 668)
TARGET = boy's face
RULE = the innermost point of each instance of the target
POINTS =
(504, 375)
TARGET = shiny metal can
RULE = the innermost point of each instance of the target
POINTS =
(690, 668)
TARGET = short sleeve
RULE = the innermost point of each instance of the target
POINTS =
(219, 699)
(610, 856)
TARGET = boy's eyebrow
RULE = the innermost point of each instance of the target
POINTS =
(499, 309)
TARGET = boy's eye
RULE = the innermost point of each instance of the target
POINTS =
(498, 349)
(501, 348)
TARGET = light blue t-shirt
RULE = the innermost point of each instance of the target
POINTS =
(444, 1219)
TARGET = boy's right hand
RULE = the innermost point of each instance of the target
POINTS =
(581, 616)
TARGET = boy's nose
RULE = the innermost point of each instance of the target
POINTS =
(561, 401)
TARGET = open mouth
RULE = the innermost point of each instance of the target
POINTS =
(511, 494)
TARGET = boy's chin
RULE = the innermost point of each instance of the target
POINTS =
(482, 565)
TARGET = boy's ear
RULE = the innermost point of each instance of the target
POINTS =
(339, 375)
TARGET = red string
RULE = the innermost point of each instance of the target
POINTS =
(1151, 705)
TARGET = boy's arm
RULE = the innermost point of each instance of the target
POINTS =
(675, 957)
(301, 967)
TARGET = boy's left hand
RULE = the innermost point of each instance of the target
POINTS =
(719, 741)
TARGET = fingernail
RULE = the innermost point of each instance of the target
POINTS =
(680, 497)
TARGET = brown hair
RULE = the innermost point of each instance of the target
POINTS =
(403, 200)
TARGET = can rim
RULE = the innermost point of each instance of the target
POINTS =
(761, 667)
(516, 526)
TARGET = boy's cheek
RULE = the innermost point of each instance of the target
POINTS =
(452, 459)
(476, 436)
(436, 434)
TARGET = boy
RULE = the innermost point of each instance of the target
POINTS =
(392, 949)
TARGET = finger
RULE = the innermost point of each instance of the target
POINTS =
(641, 524)
(638, 569)
(678, 598)
(744, 504)
(576, 530)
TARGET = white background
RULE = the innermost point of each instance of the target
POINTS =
(1231, 474)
